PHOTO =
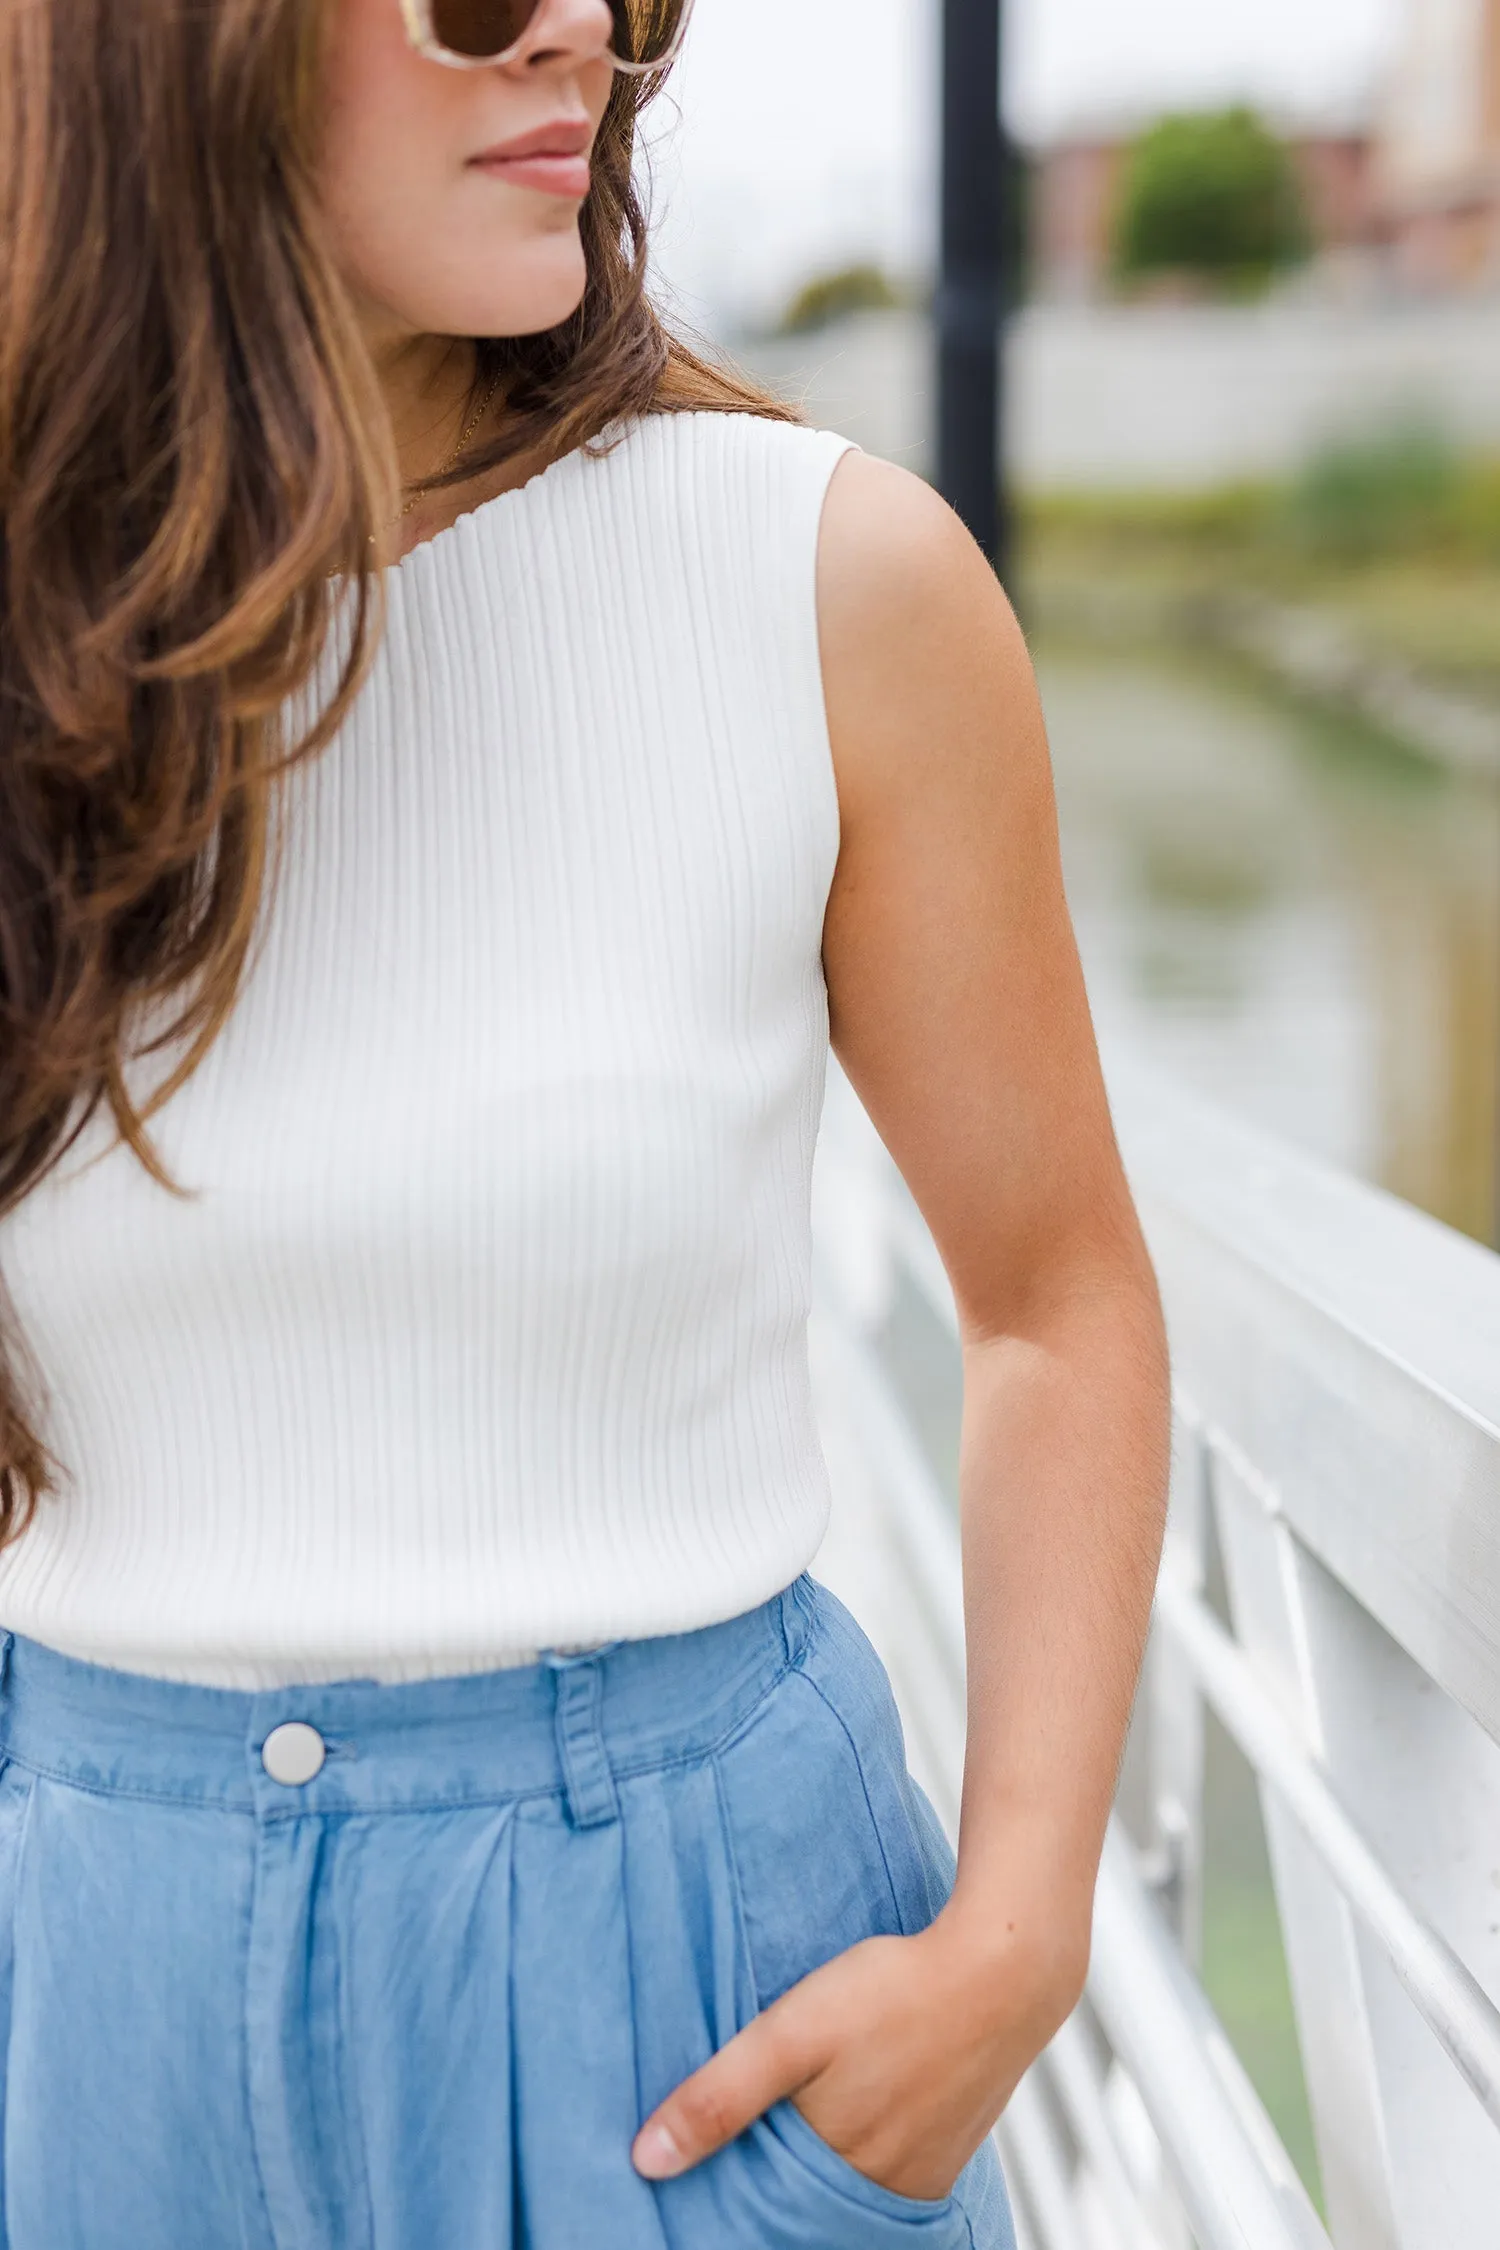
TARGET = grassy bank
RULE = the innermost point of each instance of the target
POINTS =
(1396, 541)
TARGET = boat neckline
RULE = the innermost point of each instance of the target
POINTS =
(498, 502)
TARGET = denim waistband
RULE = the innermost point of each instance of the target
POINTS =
(569, 1725)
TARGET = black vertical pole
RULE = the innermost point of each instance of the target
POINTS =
(971, 292)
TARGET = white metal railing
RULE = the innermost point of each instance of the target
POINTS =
(1337, 1464)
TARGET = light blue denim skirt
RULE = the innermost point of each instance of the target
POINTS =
(423, 1998)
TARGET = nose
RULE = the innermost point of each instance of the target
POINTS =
(566, 31)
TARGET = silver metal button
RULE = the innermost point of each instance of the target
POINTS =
(293, 1754)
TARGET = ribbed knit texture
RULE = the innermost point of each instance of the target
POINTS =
(486, 1331)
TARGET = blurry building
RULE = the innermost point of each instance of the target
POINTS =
(1076, 186)
(1409, 195)
(1078, 183)
(1439, 147)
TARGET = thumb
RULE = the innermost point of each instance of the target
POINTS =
(759, 2067)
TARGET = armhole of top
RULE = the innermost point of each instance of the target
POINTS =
(835, 450)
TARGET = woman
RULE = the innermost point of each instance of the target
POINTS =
(438, 1807)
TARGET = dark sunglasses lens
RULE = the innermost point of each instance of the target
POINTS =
(645, 29)
(478, 29)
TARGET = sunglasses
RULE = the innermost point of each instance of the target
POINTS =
(470, 33)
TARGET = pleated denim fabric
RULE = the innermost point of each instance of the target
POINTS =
(424, 2000)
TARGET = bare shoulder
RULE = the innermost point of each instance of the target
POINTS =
(956, 1002)
(923, 660)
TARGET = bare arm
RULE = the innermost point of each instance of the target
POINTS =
(958, 1012)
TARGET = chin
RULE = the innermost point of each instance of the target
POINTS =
(542, 289)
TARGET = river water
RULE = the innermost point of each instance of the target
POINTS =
(1284, 910)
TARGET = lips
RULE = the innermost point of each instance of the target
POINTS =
(553, 158)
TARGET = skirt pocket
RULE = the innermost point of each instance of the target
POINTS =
(871, 2206)
(816, 1870)
(831, 1841)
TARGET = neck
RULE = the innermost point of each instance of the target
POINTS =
(427, 381)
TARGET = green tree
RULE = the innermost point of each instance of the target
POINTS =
(832, 296)
(1214, 196)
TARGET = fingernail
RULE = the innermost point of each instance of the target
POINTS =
(656, 2154)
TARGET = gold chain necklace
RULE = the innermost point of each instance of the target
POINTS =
(421, 491)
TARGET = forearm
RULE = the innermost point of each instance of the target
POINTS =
(1063, 1482)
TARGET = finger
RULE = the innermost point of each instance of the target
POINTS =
(760, 2066)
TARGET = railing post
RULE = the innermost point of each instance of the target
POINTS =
(1174, 1710)
(1324, 1957)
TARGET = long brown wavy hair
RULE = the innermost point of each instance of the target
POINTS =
(193, 447)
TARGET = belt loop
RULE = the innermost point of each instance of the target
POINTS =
(7, 1643)
(578, 1720)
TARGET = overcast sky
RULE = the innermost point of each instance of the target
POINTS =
(800, 135)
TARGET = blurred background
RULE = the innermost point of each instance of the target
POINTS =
(1251, 430)
(1253, 427)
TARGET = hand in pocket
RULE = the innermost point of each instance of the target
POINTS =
(900, 2054)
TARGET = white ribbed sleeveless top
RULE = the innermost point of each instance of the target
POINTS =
(486, 1331)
